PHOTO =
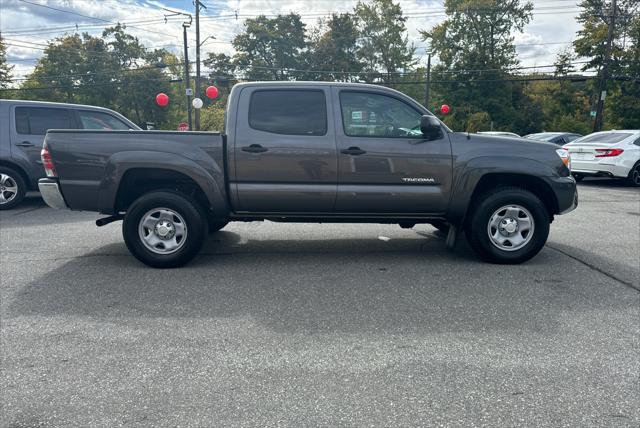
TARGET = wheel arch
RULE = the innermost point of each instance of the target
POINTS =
(20, 170)
(130, 175)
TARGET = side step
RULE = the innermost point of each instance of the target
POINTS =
(106, 220)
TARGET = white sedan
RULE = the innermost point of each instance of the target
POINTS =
(607, 154)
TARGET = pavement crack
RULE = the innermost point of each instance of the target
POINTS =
(596, 268)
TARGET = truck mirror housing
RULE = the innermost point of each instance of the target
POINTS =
(430, 127)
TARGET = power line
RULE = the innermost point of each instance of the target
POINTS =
(89, 17)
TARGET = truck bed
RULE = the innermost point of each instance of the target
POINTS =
(91, 163)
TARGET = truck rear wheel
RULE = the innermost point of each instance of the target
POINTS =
(508, 225)
(164, 229)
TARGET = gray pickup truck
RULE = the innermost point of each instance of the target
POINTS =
(312, 152)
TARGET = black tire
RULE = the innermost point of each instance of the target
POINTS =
(578, 177)
(189, 211)
(215, 226)
(634, 176)
(484, 207)
(11, 179)
(442, 226)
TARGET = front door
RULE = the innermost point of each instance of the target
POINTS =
(385, 165)
(285, 151)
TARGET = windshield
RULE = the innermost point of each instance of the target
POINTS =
(603, 138)
(543, 136)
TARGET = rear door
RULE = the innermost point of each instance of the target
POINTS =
(285, 150)
(385, 166)
(30, 126)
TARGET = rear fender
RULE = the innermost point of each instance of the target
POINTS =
(118, 164)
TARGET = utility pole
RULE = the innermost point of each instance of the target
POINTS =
(197, 89)
(602, 85)
(186, 25)
(427, 88)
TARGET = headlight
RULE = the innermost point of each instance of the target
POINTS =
(564, 156)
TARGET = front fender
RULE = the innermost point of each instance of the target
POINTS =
(119, 163)
(467, 175)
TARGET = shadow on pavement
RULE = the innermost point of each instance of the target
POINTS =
(319, 286)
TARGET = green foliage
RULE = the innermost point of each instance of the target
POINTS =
(384, 46)
(333, 50)
(269, 47)
(622, 105)
(212, 118)
(475, 48)
(474, 72)
(5, 68)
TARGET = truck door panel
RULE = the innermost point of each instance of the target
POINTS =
(285, 151)
(385, 165)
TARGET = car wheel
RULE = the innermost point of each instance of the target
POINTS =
(215, 226)
(442, 226)
(578, 177)
(12, 188)
(508, 225)
(164, 229)
(634, 175)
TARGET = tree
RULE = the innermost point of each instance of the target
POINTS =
(332, 53)
(222, 70)
(383, 47)
(622, 107)
(270, 47)
(139, 74)
(5, 68)
(476, 51)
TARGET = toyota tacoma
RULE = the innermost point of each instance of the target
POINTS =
(312, 152)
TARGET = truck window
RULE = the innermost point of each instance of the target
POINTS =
(374, 115)
(37, 120)
(99, 120)
(289, 112)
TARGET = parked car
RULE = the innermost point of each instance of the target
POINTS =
(499, 133)
(560, 138)
(315, 152)
(607, 154)
(23, 125)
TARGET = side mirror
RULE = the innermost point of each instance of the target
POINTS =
(430, 127)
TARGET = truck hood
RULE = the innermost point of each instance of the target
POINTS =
(506, 141)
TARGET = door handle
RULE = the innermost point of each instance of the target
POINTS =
(254, 148)
(25, 144)
(353, 151)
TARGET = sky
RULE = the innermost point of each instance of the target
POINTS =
(27, 25)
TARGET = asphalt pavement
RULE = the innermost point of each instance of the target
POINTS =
(279, 324)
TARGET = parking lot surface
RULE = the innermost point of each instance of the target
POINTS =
(333, 325)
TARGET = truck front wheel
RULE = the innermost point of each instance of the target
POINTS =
(508, 225)
(164, 229)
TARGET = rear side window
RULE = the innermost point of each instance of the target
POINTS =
(99, 120)
(37, 120)
(289, 112)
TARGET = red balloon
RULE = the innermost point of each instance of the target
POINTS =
(445, 109)
(212, 92)
(162, 99)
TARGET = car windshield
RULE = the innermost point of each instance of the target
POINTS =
(603, 138)
(543, 136)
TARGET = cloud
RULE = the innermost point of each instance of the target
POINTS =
(24, 24)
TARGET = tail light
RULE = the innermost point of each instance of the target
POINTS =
(564, 157)
(47, 162)
(607, 153)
